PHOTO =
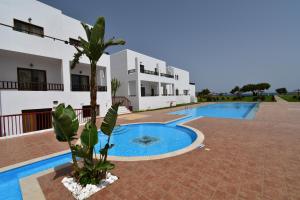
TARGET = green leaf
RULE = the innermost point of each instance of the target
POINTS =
(105, 166)
(87, 30)
(114, 42)
(76, 58)
(97, 32)
(65, 123)
(89, 135)
(110, 120)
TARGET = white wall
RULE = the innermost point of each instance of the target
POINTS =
(146, 103)
(127, 59)
(193, 93)
(45, 53)
(183, 80)
(119, 70)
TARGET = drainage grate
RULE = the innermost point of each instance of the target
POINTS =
(145, 140)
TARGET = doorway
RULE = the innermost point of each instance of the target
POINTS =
(143, 91)
(36, 119)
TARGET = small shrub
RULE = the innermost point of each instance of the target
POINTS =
(294, 97)
(208, 98)
(299, 98)
(273, 98)
(223, 99)
(255, 98)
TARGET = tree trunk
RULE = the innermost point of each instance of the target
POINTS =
(93, 92)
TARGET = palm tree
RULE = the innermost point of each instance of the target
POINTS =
(115, 85)
(93, 48)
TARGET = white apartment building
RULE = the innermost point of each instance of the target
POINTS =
(150, 83)
(36, 48)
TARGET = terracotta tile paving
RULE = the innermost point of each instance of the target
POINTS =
(243, 159)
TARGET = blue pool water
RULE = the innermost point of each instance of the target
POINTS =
(9, 180)
(134, 140)
(147, 139)
(222, 110)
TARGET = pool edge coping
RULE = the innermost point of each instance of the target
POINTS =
(28, 162)
(30, 186)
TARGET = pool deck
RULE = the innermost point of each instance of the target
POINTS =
(243, 159)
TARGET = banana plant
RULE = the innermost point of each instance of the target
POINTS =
(65, 123)
(93, 169)
(115, 85)
(93, 48)
(107, 127)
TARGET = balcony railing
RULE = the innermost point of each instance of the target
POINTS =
(167, 75)
(123, 101)
(17, 124)
(131, 71)
(31, 86)
(168, 95)
(150, 95)
(144, 71)
(101, 88)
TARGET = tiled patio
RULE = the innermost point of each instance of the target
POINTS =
(243, 159)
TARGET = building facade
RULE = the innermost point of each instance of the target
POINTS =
(150, 83)
(36, 48)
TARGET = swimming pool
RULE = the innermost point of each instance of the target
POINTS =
(143, 139)
(9, 180)
(147, 139)
(222, 110)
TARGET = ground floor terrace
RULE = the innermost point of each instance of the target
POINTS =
(242, 159)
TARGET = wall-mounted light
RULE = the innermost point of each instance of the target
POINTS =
(31, 65)
(29, 19)
(80, 72)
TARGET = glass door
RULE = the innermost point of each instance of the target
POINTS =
(32, 79)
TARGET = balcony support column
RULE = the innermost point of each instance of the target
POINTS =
(66, 75)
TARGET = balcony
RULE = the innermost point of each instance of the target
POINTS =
(100, 88)
(144, 71)
(31, 86)
(167, 94)
(167, 75)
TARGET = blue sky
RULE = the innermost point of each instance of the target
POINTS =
(222, 43)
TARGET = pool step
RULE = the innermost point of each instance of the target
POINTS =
(180, 121)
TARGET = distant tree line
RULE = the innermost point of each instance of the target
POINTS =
(281, 91)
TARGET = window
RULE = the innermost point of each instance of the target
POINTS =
(74, 42)
(80, 82)
(28, 28)
(142, 68)
(177, 92)
(86, 110)
(185, 92)
(32, 79)
(176, 77)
